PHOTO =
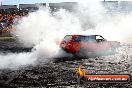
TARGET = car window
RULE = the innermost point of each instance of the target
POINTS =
(91, 39)
(84, 38)
(77, 39)
(99, 38)
(67, 38)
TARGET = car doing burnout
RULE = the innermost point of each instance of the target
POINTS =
(87, 43)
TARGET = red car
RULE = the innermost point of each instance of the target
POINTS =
(77, 44)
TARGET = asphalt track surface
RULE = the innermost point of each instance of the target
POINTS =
(63, 73)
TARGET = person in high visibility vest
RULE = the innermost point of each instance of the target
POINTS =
(81, 71)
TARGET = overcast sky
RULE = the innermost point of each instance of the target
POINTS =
(32, 1)
(11, 2)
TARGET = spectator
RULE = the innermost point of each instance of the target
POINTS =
(8, 18)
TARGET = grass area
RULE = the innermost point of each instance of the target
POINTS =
(7, 38)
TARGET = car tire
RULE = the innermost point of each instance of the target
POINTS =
(83, 53)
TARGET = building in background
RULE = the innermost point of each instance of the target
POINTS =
(65, 5)
(125, 6)
(28, 7)
(109, 5)
(8, 8)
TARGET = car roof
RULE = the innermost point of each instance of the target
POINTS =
(81, 35)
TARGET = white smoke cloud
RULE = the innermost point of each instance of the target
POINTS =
(41, 30)
(43, 26)
(15, 60)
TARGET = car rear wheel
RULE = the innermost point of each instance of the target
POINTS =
(83, 53)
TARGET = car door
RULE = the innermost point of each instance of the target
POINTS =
(91, 43)
(76, 43)
(102, 44)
